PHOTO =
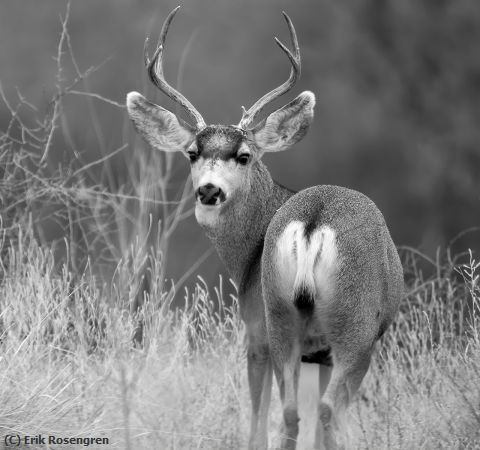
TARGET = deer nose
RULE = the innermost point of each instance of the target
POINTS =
(210, 194)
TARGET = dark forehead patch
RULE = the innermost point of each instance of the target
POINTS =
(219, 141)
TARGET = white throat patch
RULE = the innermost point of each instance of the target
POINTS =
(207, 215)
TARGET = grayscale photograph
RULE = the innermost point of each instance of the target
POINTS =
(239, 224)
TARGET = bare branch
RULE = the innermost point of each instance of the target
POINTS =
(97, 96)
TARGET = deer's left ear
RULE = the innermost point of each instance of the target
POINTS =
(286, 125)
(162, 129)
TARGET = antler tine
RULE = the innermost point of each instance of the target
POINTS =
(155, 73)
(249, 116)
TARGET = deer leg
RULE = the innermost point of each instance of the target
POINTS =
(347, 374)
(287, 374)
(324, 376)
(285, 350)
(260, 384)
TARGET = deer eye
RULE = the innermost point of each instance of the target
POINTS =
(243, 159)
(193, 156)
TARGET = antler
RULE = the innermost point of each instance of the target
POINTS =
(155, 72)
(249, 116)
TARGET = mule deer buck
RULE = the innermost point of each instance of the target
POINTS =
(319, 278)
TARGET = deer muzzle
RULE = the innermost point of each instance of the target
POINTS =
(210, 194)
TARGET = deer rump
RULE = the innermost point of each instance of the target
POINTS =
(307, 264)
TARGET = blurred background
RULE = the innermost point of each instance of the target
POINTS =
(397, 116)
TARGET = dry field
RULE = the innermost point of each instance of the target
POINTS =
(68, 366)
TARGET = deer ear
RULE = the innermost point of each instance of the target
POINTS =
(286, 125)
(159, 127)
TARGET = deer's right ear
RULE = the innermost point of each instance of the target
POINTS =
(159, 127)
(287, 125)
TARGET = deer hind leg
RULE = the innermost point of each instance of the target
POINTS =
(260, 384)
(346, 376)
(324, 376)
(287, 374)
(285, 349)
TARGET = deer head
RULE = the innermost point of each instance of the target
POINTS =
(223, 158)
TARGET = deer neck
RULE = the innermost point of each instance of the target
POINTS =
(238, 235)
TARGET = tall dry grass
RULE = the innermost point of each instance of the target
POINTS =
(68, 366)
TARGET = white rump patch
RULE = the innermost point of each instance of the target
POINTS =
(306, 263)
